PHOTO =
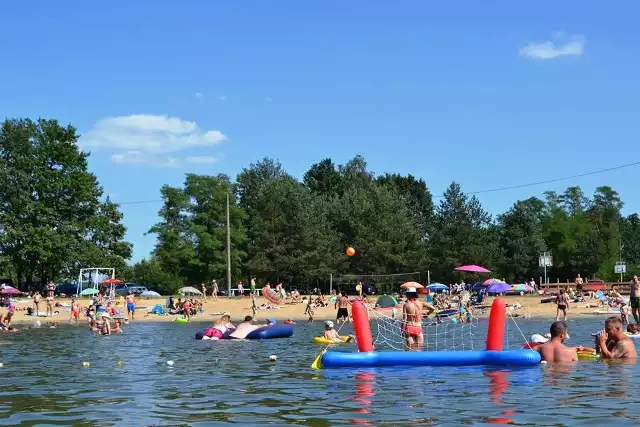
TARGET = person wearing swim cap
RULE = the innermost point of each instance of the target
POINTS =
(412, 319)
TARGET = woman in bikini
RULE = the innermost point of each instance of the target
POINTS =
(412, 319)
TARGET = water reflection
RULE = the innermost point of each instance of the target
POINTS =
(219, 383)
(365, 391)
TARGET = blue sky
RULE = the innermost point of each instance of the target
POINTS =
(489, 94)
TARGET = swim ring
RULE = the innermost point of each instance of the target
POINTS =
(634, 336)
(271, 295)
(323, 340)
(181, 320)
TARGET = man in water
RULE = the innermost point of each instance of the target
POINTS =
(554, 350)
(412, 319)
(612, 343)
(243, 329)
(342, 303)
(635, 298)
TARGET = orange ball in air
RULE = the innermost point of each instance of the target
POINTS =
(351, 251)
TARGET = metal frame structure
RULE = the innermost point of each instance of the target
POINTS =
(107, 271)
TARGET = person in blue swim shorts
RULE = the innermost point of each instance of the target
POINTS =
(131, 305)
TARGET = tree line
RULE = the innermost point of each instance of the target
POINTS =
(54, 221)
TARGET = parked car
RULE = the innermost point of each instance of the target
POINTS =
(125, 288)
(67, 289)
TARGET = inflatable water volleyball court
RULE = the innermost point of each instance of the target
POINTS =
(367, 357)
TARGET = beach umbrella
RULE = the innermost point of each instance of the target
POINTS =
(490, 282)
(89, 291)
(523, 287)
(150, 294)
(111, 282)
(189, 290)
(411, 285)
(435, 287)
(473, 269)
(9, 290)
(499, 288)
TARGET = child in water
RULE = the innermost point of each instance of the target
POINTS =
(117, 328)
(625, 311)
(332, 335)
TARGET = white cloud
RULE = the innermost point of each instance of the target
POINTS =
(563, 46)
(199, 95)
(134, 157)
(148, 139)
(268, 99)
(203, 160)
(222, 98)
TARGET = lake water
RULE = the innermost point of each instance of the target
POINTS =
(43, 382)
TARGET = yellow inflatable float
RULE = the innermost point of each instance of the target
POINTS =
(339, 340)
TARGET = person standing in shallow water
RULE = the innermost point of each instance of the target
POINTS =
(613, 343)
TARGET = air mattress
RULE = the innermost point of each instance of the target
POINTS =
(270, 332)
(323, 340)
(336, 359)
(264, 333)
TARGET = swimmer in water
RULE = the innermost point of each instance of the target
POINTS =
(117, 328)
(105, 329)
(554, 350)
(5, 318)
(612, 343)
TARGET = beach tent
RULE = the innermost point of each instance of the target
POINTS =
(386, 301)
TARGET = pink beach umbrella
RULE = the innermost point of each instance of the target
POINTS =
(473, 269)
(9, 290)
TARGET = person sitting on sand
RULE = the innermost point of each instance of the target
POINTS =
(554, 350)
(219, 328)
(612, 343)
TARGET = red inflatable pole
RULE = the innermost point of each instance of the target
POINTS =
(362, 327)
(497, 321)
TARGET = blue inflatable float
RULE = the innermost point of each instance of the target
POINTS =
(264, 333)
(338, 359)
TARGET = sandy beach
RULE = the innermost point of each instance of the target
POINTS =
(241, 306)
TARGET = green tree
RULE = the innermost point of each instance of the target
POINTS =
(521, 242)
(52, 220)
(463, 234)
(208, 229)
(174, 251)
(323, 178)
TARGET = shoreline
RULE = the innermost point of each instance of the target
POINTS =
(239, 307)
